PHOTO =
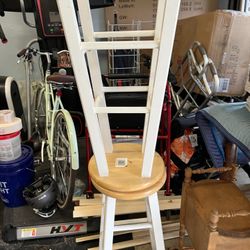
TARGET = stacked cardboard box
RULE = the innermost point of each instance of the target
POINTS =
(226, 37)
(191, 8)
(145, 10)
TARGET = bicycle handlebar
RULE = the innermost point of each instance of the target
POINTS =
(31, 42)
(47, 54)
(21, 53)
(28, 45)
(27, 53)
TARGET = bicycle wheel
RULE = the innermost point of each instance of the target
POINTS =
(65, 157)
(40, 112)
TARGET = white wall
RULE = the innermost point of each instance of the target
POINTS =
(18, 35)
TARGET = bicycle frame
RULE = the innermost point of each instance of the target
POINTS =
(53, 106)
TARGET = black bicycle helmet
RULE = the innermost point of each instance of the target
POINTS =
(41, 195)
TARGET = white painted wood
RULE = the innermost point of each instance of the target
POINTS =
(150, 91)
(123, 34)
(242, 5)
(163, 63)
(84, 53)
(95, 72)
(154, 59)
(121, 110)
(156, 221)
(72, 35)
(109, 218)
(168, 228)
(101, 238)
(132, 227)
(113, 45)
(125, 89)
(149, 218)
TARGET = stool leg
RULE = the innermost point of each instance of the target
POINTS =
(108, 223)
(101, 239)
(156, 222)
(151, 231)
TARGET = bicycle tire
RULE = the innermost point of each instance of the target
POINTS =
(40, 112)
(64, 148)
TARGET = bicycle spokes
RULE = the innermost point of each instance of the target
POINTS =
(62, 160)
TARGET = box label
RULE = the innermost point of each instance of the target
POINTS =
(129, 11)
(223, 85)
(121, 162)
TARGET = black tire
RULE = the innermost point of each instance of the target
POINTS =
(62, 170)
(40, 112)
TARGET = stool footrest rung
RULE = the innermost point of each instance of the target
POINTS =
(121, 110)
(132, 227)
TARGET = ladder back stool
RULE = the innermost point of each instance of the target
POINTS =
(122, 171)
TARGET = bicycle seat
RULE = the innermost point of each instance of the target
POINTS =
(58, 79)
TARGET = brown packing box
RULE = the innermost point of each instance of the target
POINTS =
(191, 8)
(145, 10)
(226, 37)
(131, 11)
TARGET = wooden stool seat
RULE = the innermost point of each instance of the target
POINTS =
(126, 183)
(223, 196)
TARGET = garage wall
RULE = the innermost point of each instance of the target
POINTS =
(18, 35)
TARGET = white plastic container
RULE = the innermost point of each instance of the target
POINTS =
(10, 141)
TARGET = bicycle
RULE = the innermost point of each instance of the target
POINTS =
(55, 127)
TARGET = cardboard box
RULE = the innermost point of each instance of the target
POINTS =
(129, 11)
(191, 8)
(226, 37)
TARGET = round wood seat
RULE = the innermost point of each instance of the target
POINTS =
(126, 183)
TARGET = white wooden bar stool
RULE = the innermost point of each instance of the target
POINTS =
(122, 171)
